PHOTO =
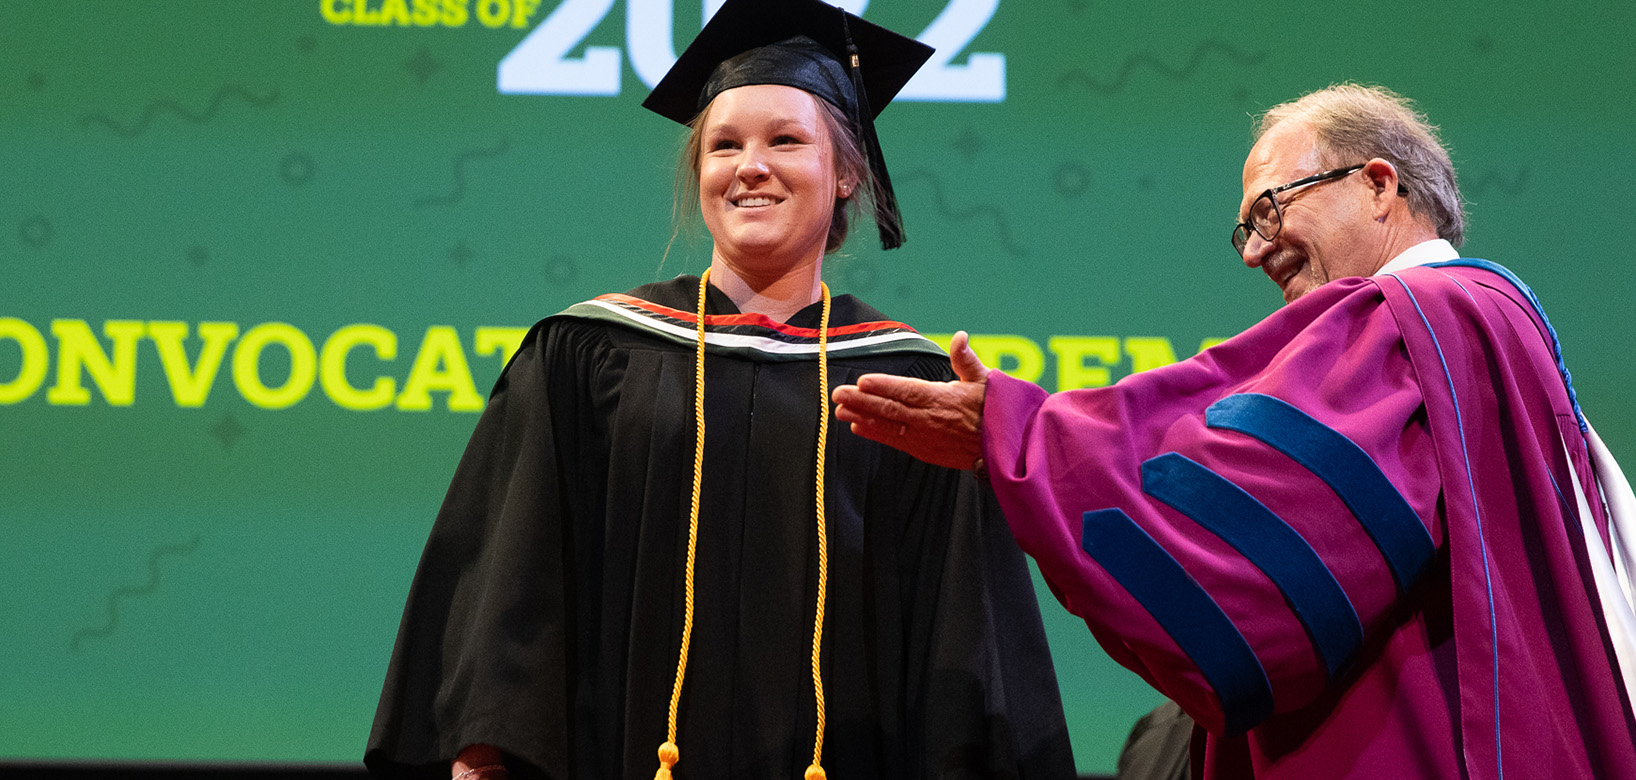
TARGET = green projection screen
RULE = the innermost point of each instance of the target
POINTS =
(261, 261)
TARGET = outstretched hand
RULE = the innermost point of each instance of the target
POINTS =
(938, 422)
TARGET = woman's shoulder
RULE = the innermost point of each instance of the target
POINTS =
(589, 318)
(927, 367)
(647, 317)
(681, 292)
(556, 341)
(919, 363)
(849, 309)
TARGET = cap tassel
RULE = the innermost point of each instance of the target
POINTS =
(888, 218)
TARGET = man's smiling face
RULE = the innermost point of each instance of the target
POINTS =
(1322, 236)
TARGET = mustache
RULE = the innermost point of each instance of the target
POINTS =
(1282, 265)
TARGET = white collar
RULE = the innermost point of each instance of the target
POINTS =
(1434, 251)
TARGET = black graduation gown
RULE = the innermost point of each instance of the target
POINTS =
(547, 611)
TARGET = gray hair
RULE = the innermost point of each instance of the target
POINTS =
(1354, 123)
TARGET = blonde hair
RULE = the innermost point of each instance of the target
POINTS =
(1354, 123)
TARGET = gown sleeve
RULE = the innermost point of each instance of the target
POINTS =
(985, 702)
(1236, 527)
(482, 654)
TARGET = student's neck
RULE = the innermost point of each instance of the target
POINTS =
(776, 294)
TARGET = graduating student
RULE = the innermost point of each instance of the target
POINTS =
(656, 542)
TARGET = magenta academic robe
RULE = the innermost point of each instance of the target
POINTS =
(1344, 541)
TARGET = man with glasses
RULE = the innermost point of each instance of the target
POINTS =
(1371, 536)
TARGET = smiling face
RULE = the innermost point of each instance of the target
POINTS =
(1326, 226)
(767, 177)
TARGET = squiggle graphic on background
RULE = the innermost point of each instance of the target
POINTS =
(150, 587)
(991, 211)
(153, 109)
(1079, 78)
(460, 174)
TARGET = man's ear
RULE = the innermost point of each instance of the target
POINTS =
(1383, 181)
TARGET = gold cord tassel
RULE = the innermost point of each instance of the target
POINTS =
(669, 753)
(816, 771)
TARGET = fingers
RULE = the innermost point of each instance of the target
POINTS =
(965, 362)
(849, 410)
(932, 447)
(854, 403)
(907, 391)
(871, 417)
(873, 428)
(937, 422)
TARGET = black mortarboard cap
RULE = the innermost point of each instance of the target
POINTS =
(855, 65)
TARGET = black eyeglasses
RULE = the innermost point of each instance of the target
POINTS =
(1267, 216)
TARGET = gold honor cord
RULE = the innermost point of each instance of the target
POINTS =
(669, 753)
(816, 771)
